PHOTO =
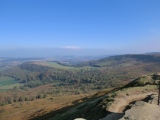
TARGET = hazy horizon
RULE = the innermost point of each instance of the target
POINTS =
(51, 52)
(47, 28)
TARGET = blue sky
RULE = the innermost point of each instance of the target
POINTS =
(109, 26)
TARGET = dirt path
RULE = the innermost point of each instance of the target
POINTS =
(123, 100)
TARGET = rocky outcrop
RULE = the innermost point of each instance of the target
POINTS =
(79, 119)
(142, 111)
(139, 110)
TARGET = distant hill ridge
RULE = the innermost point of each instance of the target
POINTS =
(121, 59)
(153, 53)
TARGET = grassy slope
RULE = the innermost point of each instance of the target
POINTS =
(32, 109)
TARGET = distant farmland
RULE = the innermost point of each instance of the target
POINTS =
(56, 65)
(7, 83)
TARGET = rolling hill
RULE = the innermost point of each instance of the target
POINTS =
(123, 60)
(103, 73)
(46, 81)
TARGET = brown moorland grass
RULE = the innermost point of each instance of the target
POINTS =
(30, 109)
(46, 107)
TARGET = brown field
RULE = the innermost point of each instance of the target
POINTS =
(29, 109)
(46, 108)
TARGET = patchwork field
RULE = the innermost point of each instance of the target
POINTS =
(8, 83)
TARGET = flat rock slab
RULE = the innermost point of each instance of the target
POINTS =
(142, 111)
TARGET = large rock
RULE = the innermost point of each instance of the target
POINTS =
(79, 119)
(142, 111)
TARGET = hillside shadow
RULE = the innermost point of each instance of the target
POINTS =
(99, 114)
(113, 116)
(87, 109)
(105, 114)
(81, 105)
(52, 114)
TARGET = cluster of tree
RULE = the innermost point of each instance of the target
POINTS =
(33, 75)
(9, 99)
(21, 94)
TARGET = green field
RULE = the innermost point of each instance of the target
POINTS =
(7, 80)
(6, 87)
(56, 65)
(7, 83)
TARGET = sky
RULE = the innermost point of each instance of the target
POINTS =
(78, 27)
